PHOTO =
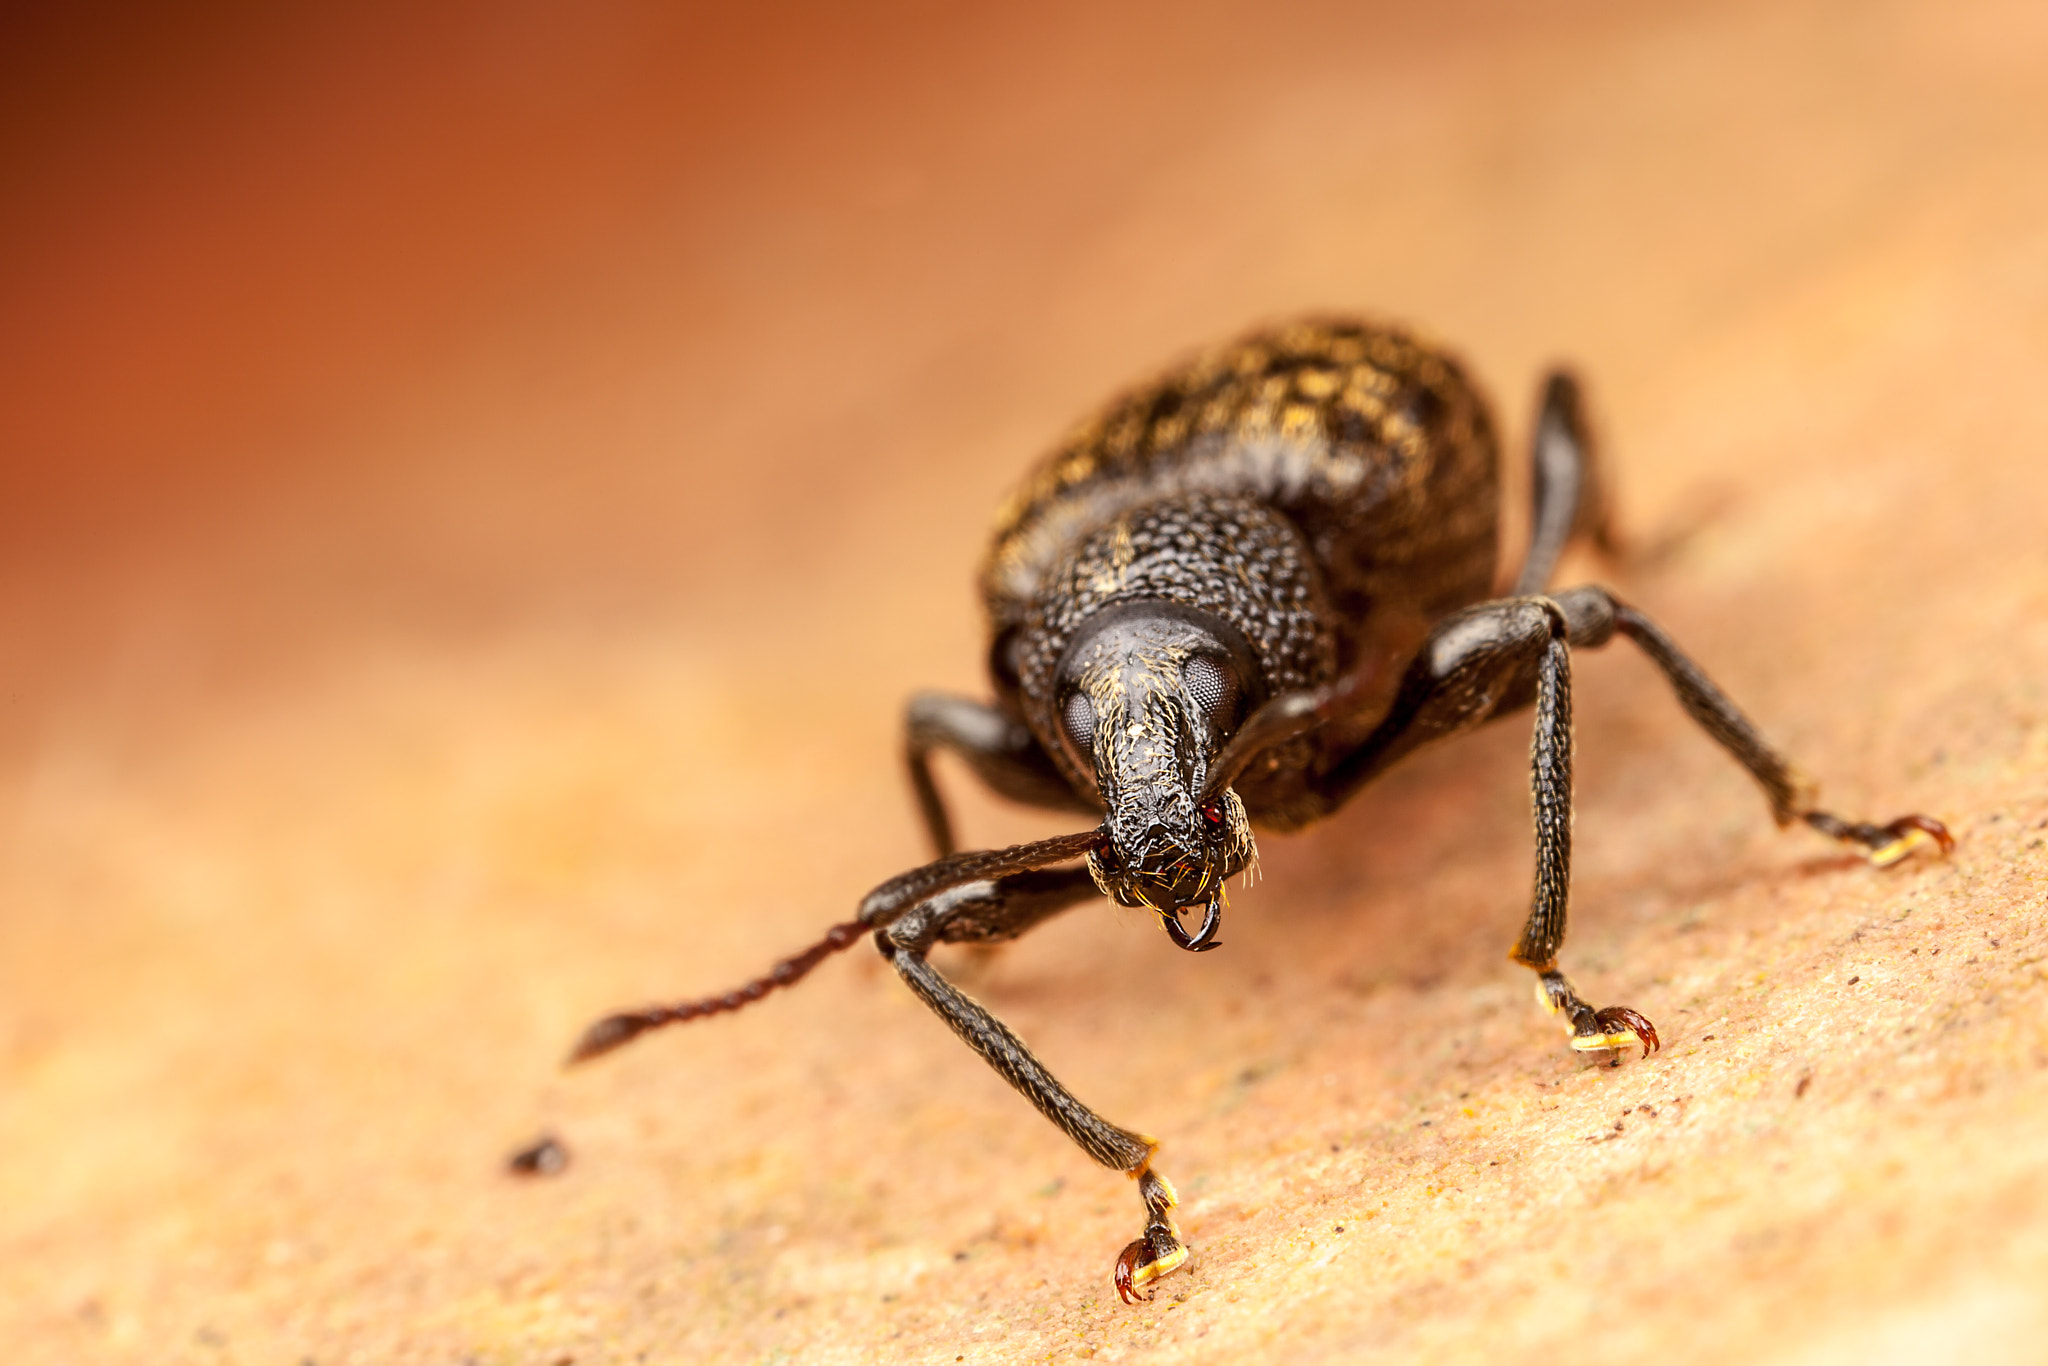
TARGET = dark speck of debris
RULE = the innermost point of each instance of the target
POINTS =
(545, 1156)
(1426, 1123)
(961, 1255)
(1854, 980)
(1800, 1089)
(1706, 1038)
(1340, 1228)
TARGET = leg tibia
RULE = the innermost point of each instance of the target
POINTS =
(1116, 1148)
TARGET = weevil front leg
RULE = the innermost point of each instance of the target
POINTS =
(1481, 663)
(1550, 783)
(1497, 657)
(1001, 910)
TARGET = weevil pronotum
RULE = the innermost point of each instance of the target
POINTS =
(1235, 596)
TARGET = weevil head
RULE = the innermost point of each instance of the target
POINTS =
(1146, 695)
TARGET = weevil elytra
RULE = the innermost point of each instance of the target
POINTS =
(1234, 597)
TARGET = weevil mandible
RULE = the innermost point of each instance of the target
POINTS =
(1234, 597)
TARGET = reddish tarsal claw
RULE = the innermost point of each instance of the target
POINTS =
(1136, 1255)
(1926, 825)
(1636, 1023)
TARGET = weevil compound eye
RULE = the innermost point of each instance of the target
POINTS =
(1078, 716)
(1214, 686)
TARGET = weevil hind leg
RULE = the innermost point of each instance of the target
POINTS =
(1002, 909)
(1568, 494)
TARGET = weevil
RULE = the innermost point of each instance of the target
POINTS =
(1234, 597)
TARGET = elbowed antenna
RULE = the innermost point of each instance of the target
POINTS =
(878, 909)
(616, 1031)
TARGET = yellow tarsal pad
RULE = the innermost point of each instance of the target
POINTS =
(1152, 1271)
(1595, 1043)
(1905, 844)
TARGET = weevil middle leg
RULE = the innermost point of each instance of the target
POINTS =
(1570, 502)
(996, 745)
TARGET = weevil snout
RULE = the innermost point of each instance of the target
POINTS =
(1175, 867)
(1149, 694)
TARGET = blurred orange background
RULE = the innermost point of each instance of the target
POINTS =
(477, 482)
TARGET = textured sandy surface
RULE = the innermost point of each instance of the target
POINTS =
(517, 644)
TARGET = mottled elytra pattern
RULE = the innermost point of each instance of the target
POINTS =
(1376, 445)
